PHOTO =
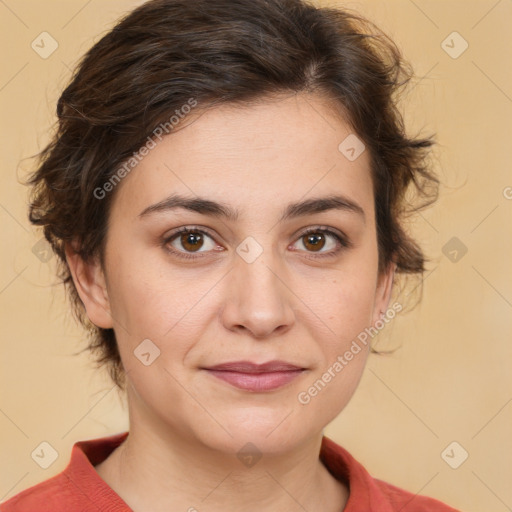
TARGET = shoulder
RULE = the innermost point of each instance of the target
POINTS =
(369, 494)
(78, 487)
(57, 494)
(406, 501)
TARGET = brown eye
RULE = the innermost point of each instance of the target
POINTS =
(323, 241)
(191, 241)
(314, 241)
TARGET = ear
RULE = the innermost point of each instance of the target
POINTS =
(91, 286)
(383, 292)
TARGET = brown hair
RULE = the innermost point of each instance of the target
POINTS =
(166, 52)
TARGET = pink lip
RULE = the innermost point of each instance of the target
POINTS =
(256, 377)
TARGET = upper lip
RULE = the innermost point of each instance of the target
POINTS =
(250, 367)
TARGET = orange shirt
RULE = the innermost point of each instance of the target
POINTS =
(80, 489)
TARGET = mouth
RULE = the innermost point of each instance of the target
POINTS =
(256, 377)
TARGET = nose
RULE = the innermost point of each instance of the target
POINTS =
(258, 300)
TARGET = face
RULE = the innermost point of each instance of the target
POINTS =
(279, 263)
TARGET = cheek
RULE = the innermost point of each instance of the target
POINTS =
(328, 392)
(149, 300)
(345, 306)
(345, 298)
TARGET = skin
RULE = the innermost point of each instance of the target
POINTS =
(292, 303)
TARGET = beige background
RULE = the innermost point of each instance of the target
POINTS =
(449, 381)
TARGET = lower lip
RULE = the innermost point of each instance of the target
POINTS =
(256, 381)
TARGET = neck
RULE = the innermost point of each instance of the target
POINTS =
(165, 470)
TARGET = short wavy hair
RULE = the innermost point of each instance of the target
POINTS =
(218, 52)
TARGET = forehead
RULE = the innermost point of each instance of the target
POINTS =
(275, 151)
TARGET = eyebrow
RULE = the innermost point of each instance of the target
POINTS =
(217, 209)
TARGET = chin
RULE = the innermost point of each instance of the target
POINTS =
(265, 430)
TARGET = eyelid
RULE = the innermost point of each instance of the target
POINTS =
(327, 230)
(189, 228)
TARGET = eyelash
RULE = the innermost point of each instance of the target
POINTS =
(343, 242)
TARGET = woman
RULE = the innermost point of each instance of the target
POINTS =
(225, 194)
